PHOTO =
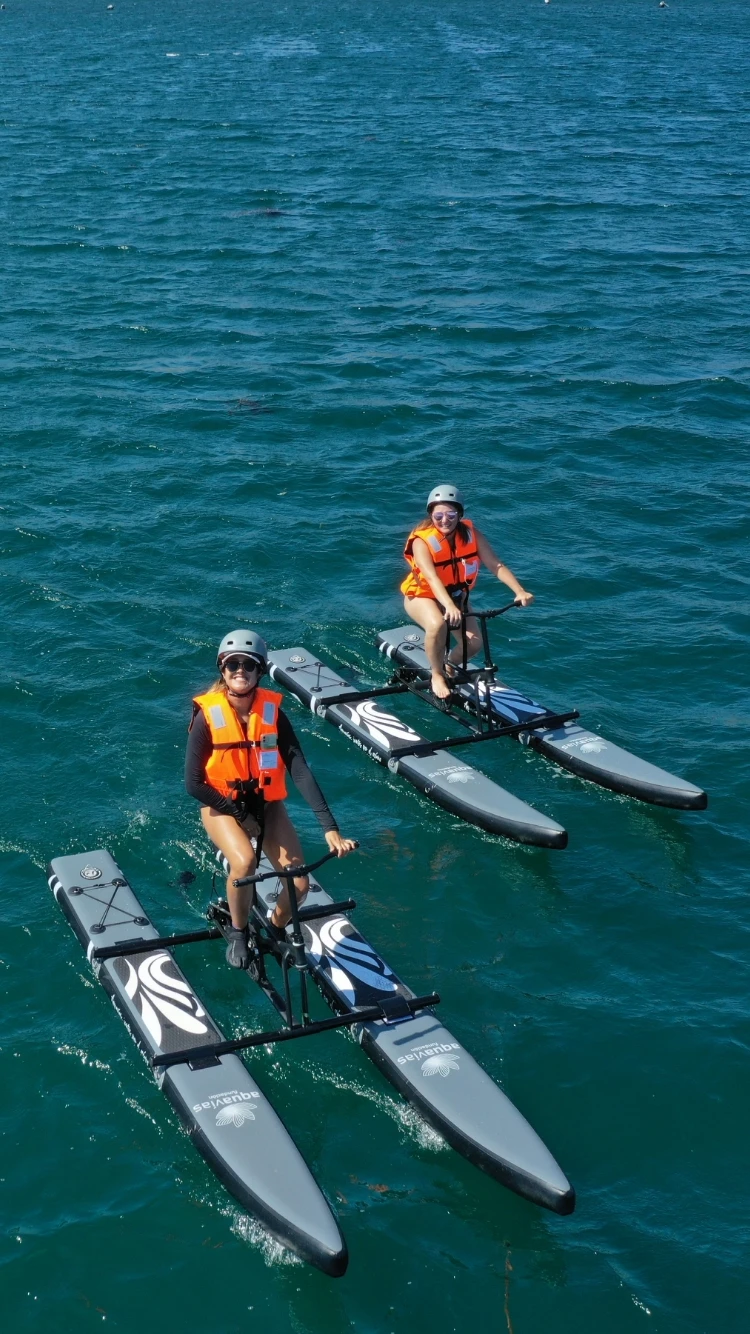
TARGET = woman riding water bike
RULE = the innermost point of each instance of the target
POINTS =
(444, 553)
(240, 747)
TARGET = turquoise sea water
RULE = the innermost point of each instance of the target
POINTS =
(269, 274)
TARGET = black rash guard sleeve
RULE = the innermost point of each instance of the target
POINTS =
(199, 751)
(302, 775)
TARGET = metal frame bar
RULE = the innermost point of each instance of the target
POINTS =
(142, 946)
(372, 1013)
(354, 696)
(545, 720)
(326, 910)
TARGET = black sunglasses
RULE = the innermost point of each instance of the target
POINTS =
(240, 665)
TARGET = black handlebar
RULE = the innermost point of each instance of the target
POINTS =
(289, 873)
(497, 611)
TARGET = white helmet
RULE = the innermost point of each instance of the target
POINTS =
(243, 641)
(449, 494)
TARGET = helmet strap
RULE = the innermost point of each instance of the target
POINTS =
(242, 694)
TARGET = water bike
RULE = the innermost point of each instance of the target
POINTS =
(218, 1100)
(498, 710)
(494, 711)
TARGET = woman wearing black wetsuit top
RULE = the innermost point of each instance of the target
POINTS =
(231, 823)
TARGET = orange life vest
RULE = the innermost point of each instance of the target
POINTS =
(242, 762)
(456, 564)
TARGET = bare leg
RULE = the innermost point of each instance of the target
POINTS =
(430, 617)
(283, 848)
(473, 643)
(231, 839)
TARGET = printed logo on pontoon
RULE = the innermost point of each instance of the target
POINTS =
(297, 657)
(90, 873)
(437, 1058)
(232, 1108)
(456, 773)
(152, 988)
(383, 727)
(235, 1116)
(439, 1065)
(369, 750)
(588, 745)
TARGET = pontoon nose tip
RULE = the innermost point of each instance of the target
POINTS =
(559, 839)
(565, 1204)
(333, 1263)
(680, 797)
(697, 800)
(544, 836)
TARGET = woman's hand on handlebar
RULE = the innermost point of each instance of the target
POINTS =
(523, 598)
(341, 846)
(452, 614)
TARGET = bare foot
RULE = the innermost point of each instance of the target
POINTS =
(440, 687)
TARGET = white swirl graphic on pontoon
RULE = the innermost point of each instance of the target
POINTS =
(511, 703)
(439, 1065)
(171, 996)
(381, 726)
(236, 1115)
(349, 959)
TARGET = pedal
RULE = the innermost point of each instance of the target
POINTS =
(219, 913)
(256, 967)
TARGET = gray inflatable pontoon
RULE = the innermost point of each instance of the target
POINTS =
(571, 746)
(441, 776)
(221, 1106)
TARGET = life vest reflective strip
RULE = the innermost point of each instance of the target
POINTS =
(243, 760)
(456, 565)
